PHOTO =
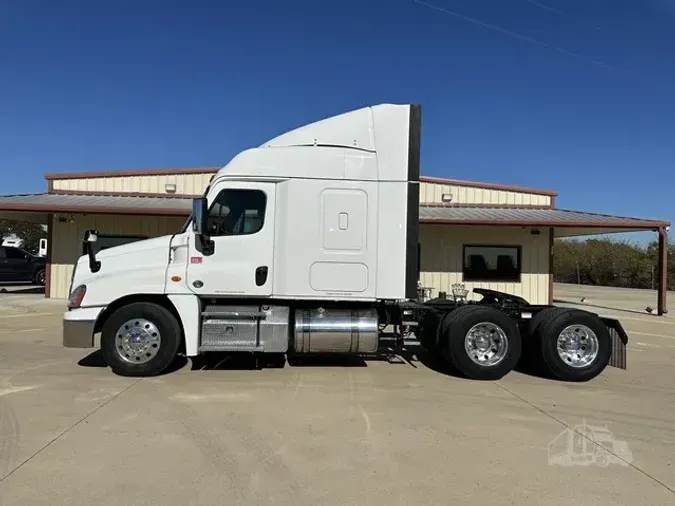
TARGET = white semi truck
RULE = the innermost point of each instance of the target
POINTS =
(309, 244)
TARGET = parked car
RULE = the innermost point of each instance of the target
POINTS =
(17, 264)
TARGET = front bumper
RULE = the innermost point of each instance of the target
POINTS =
(78, 327)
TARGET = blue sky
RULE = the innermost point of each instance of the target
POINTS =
(570, 95)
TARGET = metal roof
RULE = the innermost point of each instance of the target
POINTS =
(457, 214)
(533, 216)
(96, 204)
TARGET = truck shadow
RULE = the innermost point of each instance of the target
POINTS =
(95, 359)
(411, 356)
(528, 367)
(223, 361)
(437, 364)
(246, 361)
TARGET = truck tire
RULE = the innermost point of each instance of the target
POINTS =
(481, 342)
(548, 313)
(574, 345)
(40, 277)
(430, 326)
(140, 339)
(531, 361)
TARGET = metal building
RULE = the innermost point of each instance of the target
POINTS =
(478, 234)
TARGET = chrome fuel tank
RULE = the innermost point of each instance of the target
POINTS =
(336, 331)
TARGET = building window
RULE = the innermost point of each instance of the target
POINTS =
(237, 212)
(491, 263)
(110, 241)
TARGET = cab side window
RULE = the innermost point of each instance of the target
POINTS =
(237, 212)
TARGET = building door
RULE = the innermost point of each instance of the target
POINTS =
(241, 226)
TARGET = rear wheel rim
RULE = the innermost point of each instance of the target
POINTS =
(486, 344)
(41, 277)
(137, 341)
(578, 346)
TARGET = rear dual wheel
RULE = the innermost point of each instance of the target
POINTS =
(572, 345)
(481, 342)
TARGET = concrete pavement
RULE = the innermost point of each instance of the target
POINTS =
(350, 432)
(603, 298)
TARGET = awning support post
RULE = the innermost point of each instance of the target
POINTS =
(551, 241)
(662, 272)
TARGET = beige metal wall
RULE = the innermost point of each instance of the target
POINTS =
(441, 259)
(186, 184)
(67, 240)
(432, 192)
(194, 184)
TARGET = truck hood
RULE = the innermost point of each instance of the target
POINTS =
(156, 243)
(134, 268)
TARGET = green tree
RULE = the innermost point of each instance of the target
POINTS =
(609, 262)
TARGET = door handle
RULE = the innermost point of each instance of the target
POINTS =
(261, 275)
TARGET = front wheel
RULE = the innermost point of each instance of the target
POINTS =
(481, 342)
(140, 339)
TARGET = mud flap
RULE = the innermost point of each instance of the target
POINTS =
(619, 340)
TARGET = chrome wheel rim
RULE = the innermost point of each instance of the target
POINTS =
(137, 341)
(578, 346)
(41, 278)
(486, 344)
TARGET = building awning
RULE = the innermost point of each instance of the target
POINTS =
(94, 204)
(566, 223)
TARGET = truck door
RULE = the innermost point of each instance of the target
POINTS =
(241, 226)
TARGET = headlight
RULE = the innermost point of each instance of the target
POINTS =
(76, 297)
